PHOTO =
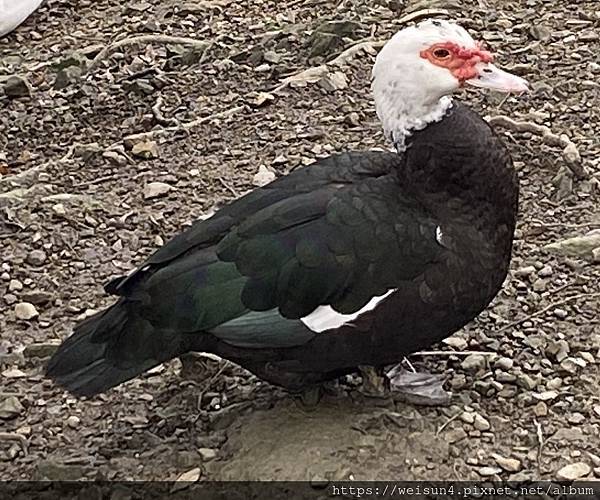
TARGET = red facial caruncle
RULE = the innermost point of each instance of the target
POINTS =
(458, 60)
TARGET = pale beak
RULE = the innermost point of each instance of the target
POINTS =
(491, 77)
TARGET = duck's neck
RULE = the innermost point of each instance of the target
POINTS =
(403, 111)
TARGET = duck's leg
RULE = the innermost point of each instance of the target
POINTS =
(309, 398)
(375, 383)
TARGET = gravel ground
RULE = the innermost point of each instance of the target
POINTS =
(82, 201)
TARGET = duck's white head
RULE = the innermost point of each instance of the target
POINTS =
(421, 66)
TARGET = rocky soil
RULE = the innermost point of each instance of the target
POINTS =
(107, 150)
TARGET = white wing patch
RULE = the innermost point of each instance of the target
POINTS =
(439, 235)
(326, 318)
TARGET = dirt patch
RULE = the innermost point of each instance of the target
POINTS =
(76, 215)
(337, 441)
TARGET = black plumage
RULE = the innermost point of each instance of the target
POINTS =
(435, 224)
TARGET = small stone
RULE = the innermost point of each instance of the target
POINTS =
(59, 209)
(115, 158)
(526, 382)
(597, 410)
(37, 297)
(26, 311)
(353, 119)
(587, 356)
(458, 381)
(185, 479)
(207, 453)
(324, 43)
(24, 430)
(574, 471)
(560, 313)
(540, 409)
(260, 99)
(473, 363)
(36, 257)
(467, 417)
(576, 418)
(545, 396)
(481, 423)
(86, 151)
(559, 350)
(10, 407)
(504, 363)
(525, 272)
(540, 32)
(13, 373)
(334, 81)
(505, 377)
(572, 365)
(271, 57)
(489, 471)
(508, 464)
(145, 150)
(545, 272)
(40, 350)
(66, 76)
(10, 299)
(73, 421)
(262, 68)
(156, 189)
(143, 87)
(15, 285)
(455, 435)
(263, 177)
(17, 86)
(456, 342)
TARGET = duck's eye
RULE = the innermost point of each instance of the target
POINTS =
(441, 54)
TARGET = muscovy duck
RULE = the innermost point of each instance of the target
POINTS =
(359, 259)
(14, 12)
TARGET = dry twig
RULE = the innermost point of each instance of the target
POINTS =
(420, 14)
(143, 39)
(183, 126)
(445, 424)
(17, 179)
(546, 309)
(160, 118)
(570, 152)
(315, 73)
